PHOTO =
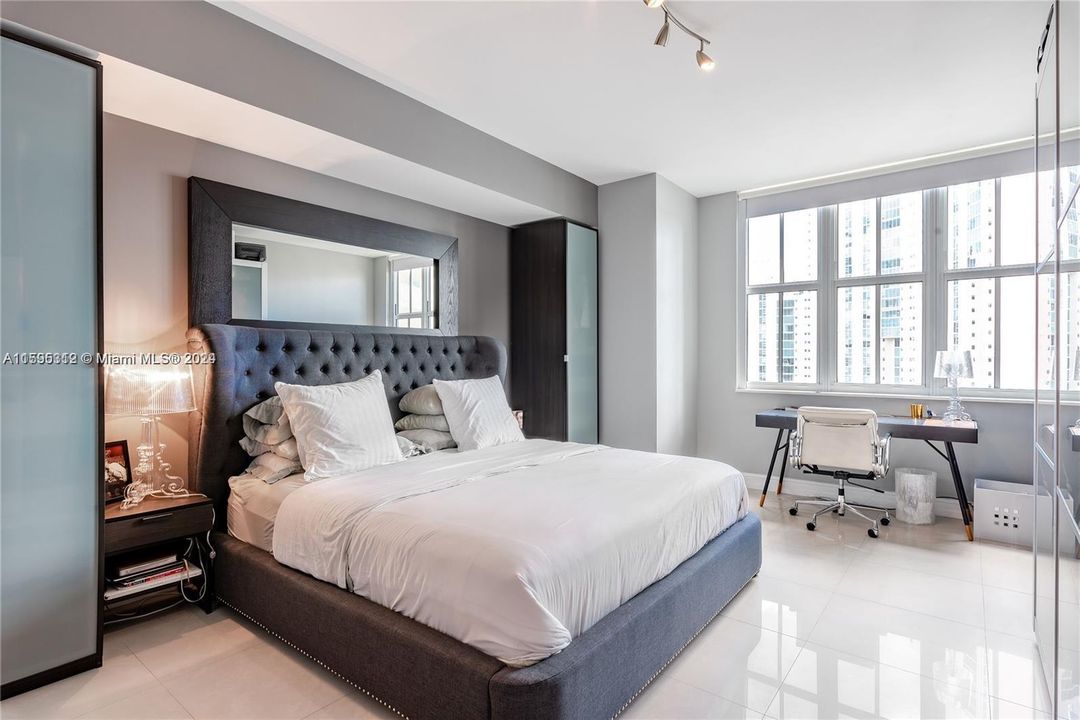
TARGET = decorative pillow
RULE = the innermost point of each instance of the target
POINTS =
(478, 413)
(286, 449)
(430, 439)
(270, 468)
(424, 400)
(423, 422)
(341, 428)
(266, 428)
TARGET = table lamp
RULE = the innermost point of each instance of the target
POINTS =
(953, 365)
(149, 392)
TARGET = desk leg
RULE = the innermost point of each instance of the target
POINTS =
(961, 494)
(783, 465)
(772, 463)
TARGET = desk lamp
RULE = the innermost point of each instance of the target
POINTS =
(953, 365)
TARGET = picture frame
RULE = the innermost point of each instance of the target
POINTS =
(117, 470)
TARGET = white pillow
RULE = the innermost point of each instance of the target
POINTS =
(431, 439)
(478, 413)
(423, 422)
(421, 401)
(341, 428)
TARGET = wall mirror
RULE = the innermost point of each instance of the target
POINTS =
(292, 278)
(258, 259)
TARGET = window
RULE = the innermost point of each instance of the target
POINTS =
(859, 295)
(782, 304)
(411, 288)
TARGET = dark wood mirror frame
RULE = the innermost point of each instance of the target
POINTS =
(213, 207)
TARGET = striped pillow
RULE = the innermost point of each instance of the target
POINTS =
(341, 428)
(478, 413)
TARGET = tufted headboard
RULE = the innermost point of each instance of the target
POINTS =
(249, 360)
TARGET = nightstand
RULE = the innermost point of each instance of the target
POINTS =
(180, 524)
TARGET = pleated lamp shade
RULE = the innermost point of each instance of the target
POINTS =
(148, 390)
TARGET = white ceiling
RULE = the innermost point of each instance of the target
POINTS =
(801, 89)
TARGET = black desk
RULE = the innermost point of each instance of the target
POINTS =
(929, 431)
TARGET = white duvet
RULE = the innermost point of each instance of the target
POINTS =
(514, 549)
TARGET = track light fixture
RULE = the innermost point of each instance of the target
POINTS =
(704, 62)
(661, 37)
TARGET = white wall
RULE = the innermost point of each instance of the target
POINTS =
(627, 232)
(726, 418)
(648, 315)
(676, 319)
(307, 284)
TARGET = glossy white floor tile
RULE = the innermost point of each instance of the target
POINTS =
(918, 623)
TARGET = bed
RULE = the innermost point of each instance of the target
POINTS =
(413, 669)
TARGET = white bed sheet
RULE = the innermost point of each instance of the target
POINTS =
(253, 507)
(515, 549)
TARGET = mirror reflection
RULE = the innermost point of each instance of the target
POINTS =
(279, 276)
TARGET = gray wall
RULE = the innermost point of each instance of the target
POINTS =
(648, 316)
(313, 285)
(145, 253)
(628, 313)
(676, 319)
(726, 418)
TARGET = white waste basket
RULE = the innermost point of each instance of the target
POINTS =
(915, 493)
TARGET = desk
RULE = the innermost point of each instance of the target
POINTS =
(929, 431)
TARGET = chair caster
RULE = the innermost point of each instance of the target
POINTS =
(885, 521)
(811, 526)
(793, 510)
(872, 532)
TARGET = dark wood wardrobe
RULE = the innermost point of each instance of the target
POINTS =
(554, 333)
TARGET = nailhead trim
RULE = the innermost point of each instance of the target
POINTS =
(309, 656)
(679, 651)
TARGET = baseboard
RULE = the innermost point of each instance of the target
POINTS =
(805, 487)
(45, 677)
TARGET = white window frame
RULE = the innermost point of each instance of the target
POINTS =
(427, 312)
(934, 277)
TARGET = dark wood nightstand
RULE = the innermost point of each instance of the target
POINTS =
(180, 523)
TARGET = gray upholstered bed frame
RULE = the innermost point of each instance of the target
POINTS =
(414, 670)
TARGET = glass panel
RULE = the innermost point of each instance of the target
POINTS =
(762, 316)
(582, 340)
(1070, 326)
(901, 334)
(800, 246)
(321, 281)
(1069, 237)
(1044, 604)
(856, 238)
(1045, 365)
(798, 363)
(971, 327)
(1018, 332)
(856, 313)
(971, 225)
(901, 233)
(247, 292)
(50, 459)
(763, 250)
(1018, 219)
(404, 306)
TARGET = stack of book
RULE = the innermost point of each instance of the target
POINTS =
(147, 570)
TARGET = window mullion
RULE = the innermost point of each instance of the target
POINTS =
(877, 292)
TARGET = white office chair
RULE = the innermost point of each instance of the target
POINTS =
(842, 443)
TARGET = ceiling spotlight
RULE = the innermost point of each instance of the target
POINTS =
(661, 37)
(653, 3)
(704, 62)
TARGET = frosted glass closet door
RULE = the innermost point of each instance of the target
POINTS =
(582, 337)
(50, 457)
